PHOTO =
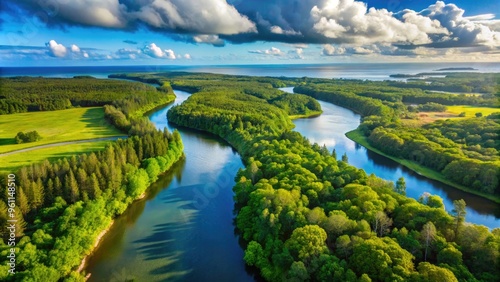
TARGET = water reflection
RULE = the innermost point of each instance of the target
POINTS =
(185, 232)
(330, 129)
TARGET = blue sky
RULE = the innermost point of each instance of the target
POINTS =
(194, 32)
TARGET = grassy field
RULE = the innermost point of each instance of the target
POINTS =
(359, 138)
(13, 162)
(470, 111)
(54, 127)
(452, 112)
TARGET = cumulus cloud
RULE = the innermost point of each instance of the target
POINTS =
(56, 49)
(463, 31)
(75, 49)
(169, 53)
(339, 22)
(278, 30)
(330, 50)
(272, 51)
(155, 51)
(185, 16)
(187, 56)
(209, 39)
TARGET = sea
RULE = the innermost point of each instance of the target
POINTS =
(363, 71)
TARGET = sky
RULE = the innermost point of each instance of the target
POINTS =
(219, 32)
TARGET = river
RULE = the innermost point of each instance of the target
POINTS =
(330, 127)
(183, 230)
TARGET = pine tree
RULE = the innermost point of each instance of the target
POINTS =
(58, 189)
(93, 184)
(38, 194)
(22, 201)
(49, 191)
(345, 159)
(334, 153)
(71, 193)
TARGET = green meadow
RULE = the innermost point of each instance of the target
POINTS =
(54, 127)
(470, 111)
(11, 163)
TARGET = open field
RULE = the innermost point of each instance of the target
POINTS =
(359, 138)
(470, 111)
(54, 127)
(11, 163)
(452, 112)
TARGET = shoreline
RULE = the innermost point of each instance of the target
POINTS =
(96, 244)
(358, 138)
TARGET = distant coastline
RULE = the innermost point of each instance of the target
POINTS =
(457, 69)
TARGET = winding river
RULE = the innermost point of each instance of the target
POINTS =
(185, 232)
(330, 127)
(183, 229)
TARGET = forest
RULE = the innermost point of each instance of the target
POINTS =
(306, 216)
(27, 94)
(464, 151)
(62, 206)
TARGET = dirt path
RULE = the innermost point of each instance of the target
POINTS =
(61, 144)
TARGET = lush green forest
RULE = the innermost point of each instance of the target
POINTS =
(22, 94)
(62, 207)
(306, 216)
(464, 151)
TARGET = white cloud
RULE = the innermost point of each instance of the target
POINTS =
(362, 50)
(348, 21)
(207, 17)
(330, 50)
(272, 51)
(187, 56)
(56, 49)
(169, 54)
(464, 31)
(75, 49)
(209, 39)
(278, 30)
(155, 51)
(483, 17)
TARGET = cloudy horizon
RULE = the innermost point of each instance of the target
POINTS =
(86, 32)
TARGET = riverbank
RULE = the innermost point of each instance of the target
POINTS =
(309, 115)
(101, 235)
(358, 137)
(96, 243)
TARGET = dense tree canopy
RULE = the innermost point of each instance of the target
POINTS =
(63, 205)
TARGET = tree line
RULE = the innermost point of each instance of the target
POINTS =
(27, 94)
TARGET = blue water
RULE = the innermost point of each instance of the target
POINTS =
(350, 71)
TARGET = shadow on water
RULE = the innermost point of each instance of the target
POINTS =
(330, 129)
(183, 229)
